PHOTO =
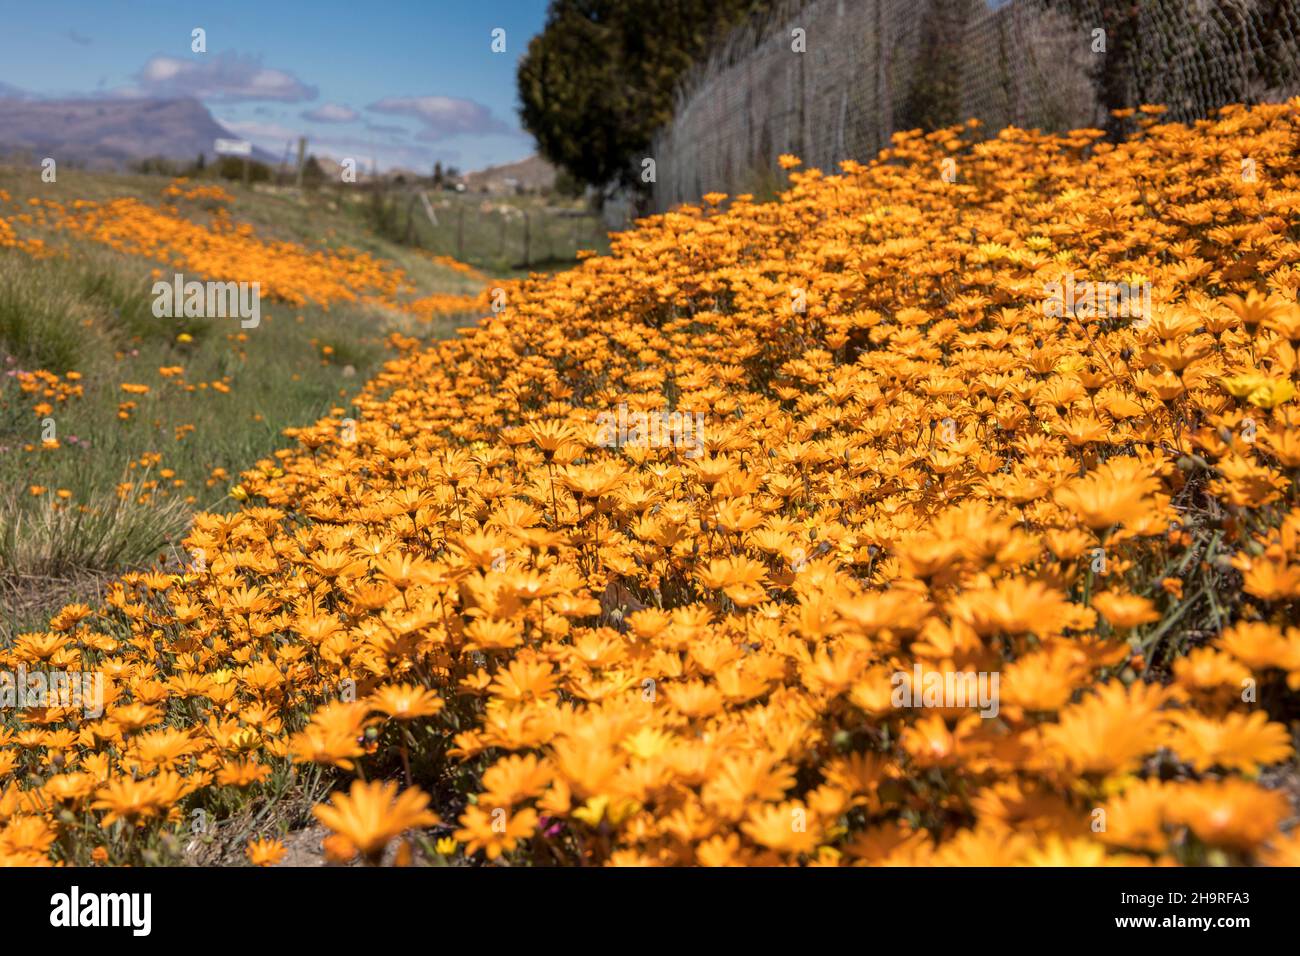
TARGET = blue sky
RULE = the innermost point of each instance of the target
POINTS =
(407, 82)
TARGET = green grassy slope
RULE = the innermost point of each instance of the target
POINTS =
(88, 310)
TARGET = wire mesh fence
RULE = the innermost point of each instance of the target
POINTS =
(495, 234)
(829, 80)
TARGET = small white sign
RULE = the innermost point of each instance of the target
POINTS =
(234, 147)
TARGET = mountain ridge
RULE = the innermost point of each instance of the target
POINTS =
(112, 133)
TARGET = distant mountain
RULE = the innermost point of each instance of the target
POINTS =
(533, 174)
(111, 133)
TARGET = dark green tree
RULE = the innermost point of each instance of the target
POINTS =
(598, 81)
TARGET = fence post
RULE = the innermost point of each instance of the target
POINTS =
(884, 110)
(302, 153)
(410, 220)
(801, 101)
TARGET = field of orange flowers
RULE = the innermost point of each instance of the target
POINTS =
(193, 231)
(503, 635)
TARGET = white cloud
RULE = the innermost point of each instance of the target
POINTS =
(222, 76)
(443, 116)
(331, 113)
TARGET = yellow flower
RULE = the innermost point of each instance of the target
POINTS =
(264, 852)
(370, 815)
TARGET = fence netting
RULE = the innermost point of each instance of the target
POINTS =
(871, 67)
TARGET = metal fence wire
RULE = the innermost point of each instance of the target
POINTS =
(869, 68)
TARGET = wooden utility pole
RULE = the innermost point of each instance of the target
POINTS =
(302, 157)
